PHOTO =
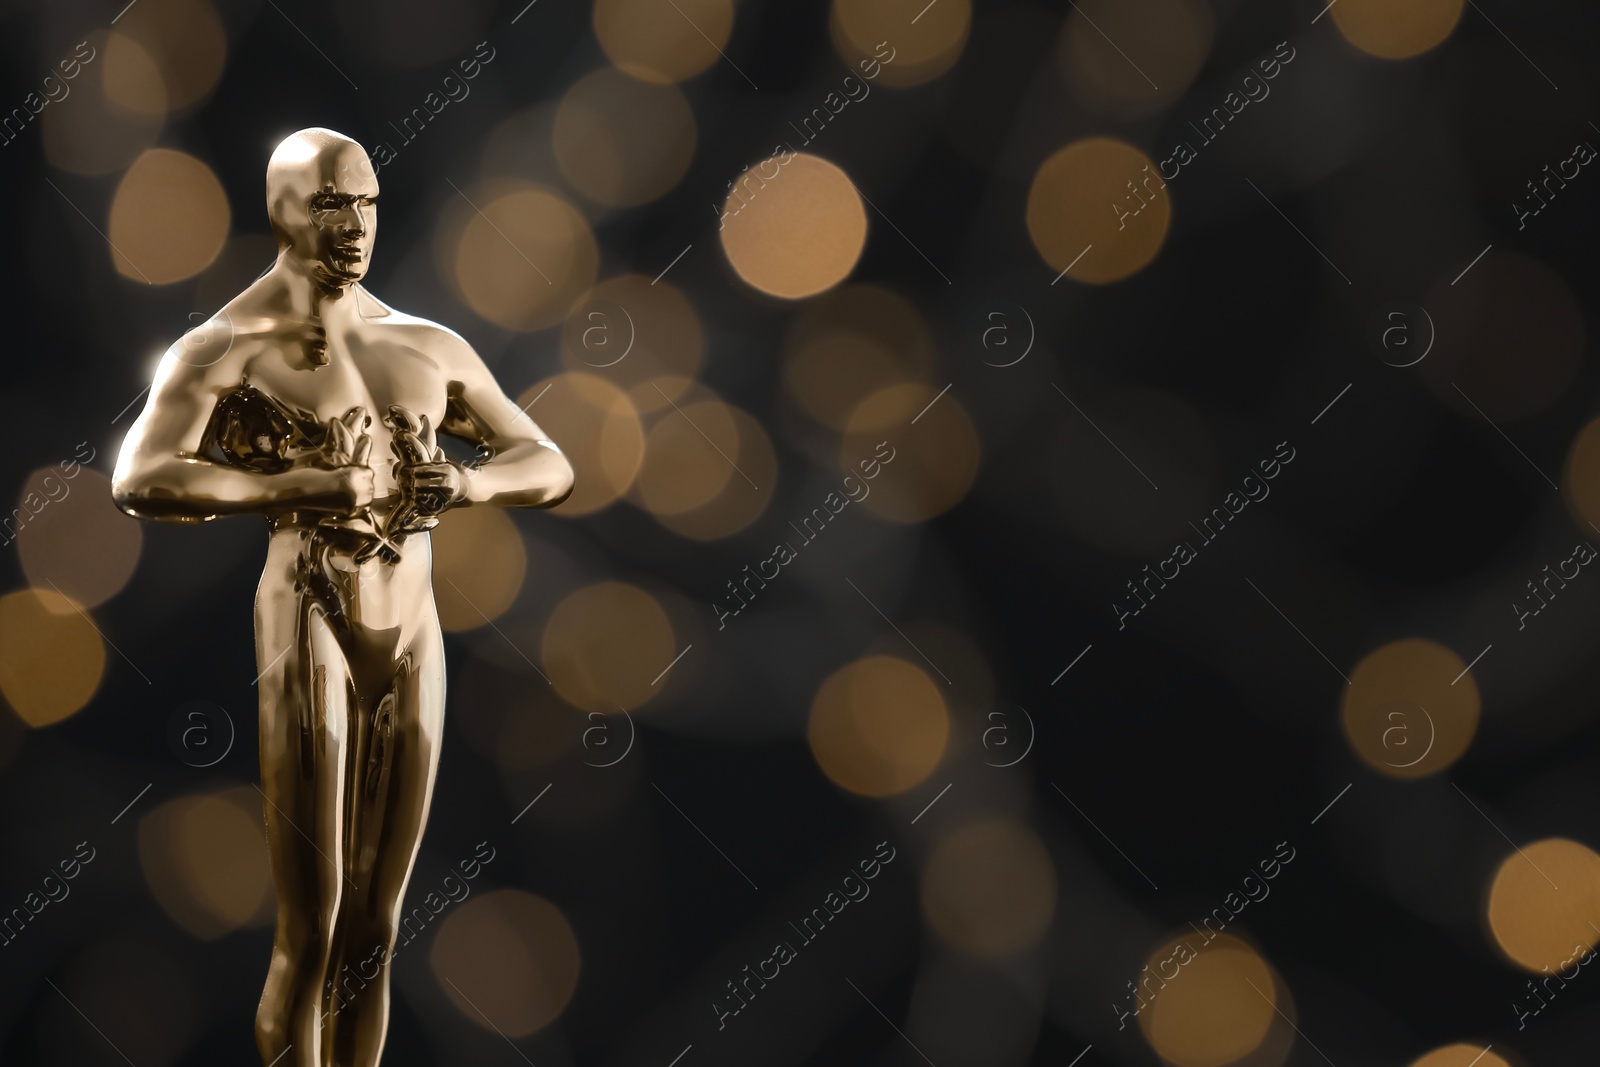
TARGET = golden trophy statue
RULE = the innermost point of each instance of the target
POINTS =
(308, 400)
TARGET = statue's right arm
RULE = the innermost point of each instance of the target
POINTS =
(162, 472)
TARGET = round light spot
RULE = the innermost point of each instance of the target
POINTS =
(1580, 477)
(1218, 1009)
(478, 566)
(640, 334)
(1411, 708)
(169, 218)
(183, 39)
(1461, 1055)
(739, 503)
(795, 228)
(524, 258)
(95, 133)
(51, 658)
(1098, 210)
(923, 470)
(663, 42)
(686, 457)
(508, 960)
(1171, 38)
(878, 726)
(205, 860)
(75, 540)
(620, 142)
(1544, 904)
(989, 888)
(900, 42)
(605, 645)
(599, 431)
(849, 344)
(1396, 29)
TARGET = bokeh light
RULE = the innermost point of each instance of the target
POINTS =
(204, 857)
(478, 566)
(523, 256)
(98, 133)
(1580, 475)
(850, 343)
(663, 43)
(1509, 338)
(687, 457)
(1396, 29)
(621, 142)
(989, 888)
(1171, 39)
(878, 726)
(599, 431)
(906, 42)
(508, 960)
(1098, 210)
(1461, 1055)
(1411, 708)
(51, 656)
(169, 218)
(183, 40)
(640, 334)
(933, 463)
(77, 543)
(743, 498)
(794, 225)
(605, 645)
(1217, 1010)
(1544, 904)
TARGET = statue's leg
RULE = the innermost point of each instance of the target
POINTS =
(394, 756)
(306, 698)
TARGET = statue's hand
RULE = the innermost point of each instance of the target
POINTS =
(433, 487)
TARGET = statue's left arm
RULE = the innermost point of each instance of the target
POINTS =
(521, 467)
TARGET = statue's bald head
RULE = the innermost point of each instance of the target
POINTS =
(320, 191)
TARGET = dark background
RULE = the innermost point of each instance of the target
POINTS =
(1196, 739)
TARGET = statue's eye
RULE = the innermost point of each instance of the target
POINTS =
(326, 202)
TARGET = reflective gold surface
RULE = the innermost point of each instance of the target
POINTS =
(308, 400)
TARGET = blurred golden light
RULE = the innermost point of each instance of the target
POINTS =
(878, 726)
(524, 257)
(598, 429)
(204, 858)
(1461, 1055)
(1405, 713)
(169, 218)
(1510, 336)
(1544, 904)
(508, 960)
(620, 142)
(934, 462)
(851, 343)
(51, 658)
(797, 231)
(636, 333)
(1170, 39)
(1580, 478)
(663, 43)
(95, 133)
(186, 42)
(77, 543)
(989, 888)
(739, 503)
(687, 457)
(906, 42)
(1219, 1008)
(1108, 502)
(478, 566)
(605, 645)
(1396, 29)
(1098, 210)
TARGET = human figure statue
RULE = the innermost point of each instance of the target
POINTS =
(308, 400)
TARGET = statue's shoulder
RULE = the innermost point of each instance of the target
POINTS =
(440, 343)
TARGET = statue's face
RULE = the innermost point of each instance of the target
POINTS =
(328, 212)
